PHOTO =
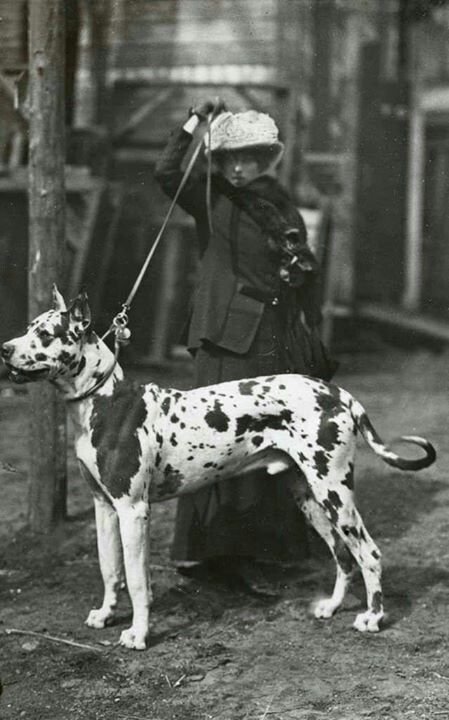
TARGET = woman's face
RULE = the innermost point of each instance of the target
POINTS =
(240, 167)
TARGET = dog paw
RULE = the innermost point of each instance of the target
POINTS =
(133, 640)
(324, 608)
(368, 622)
(97, 618)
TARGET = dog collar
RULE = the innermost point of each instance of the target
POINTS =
(91, 391)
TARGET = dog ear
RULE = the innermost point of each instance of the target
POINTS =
(80, 311)
(58, 300)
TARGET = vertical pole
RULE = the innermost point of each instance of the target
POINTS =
(413, 260)
(47, 479)
(324, 17)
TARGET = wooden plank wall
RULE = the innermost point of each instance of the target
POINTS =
(13, 34)
(198, 32)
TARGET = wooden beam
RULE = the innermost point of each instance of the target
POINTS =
(142, 112)
(8, 90)
(144, 78)
(415, 323)
(47, 440)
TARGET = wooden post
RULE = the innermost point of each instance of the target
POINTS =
(47, 443)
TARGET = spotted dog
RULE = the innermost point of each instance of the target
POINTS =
(139, 444)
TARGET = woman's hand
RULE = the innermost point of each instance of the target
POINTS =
(208, 107)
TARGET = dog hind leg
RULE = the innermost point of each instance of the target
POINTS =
(368, 557)
(349, 525)
(344, 561)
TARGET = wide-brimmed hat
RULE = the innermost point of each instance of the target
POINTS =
(245, 130)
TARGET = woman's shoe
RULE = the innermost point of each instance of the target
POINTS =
(251, 576)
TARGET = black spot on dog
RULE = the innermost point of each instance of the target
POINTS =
(331, 511)
(217, 419)
(182, 425)
(174, 418)
(257, 440)
(350, 530)
(349, 477)
(321, 462)
(334, 498)
(342, 553)
(157, 460)
(115, 421)
(376, 554)
(329, 406)
(81, 365)
(40, 357)
(328, 433)
(209, 464)
(246, 388)
(173, 439)
(159, 439)
(59, 331)
(377, 601)
(248, 423)
(45, 337)
(165, 405)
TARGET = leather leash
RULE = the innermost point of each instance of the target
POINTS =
(119, 325)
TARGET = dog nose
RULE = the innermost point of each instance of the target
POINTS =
(7, 350)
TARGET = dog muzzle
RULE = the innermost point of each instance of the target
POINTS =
(20, 375)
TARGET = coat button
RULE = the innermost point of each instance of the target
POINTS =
(275, 301)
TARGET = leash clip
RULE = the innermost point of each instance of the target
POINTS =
(120, 325)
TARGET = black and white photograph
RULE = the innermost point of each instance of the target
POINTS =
(224, 361)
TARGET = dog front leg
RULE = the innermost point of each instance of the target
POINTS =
(111, 561)
(134, 529)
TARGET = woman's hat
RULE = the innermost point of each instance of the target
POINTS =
(249, 129)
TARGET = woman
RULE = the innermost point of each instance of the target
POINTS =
(255, 312)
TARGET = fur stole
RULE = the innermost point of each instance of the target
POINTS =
(270, 206)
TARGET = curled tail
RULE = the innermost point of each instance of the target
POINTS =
(372, 438)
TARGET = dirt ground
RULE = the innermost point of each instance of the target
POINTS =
(215, 653)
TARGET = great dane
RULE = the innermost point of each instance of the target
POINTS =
(139, 444)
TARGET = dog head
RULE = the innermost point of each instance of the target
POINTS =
(53, 343)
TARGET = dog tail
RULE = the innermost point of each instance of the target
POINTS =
(372, 438)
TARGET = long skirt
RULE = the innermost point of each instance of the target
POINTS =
(254, 515)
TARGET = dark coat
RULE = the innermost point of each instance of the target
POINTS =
(239, 273)
(251, 318)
